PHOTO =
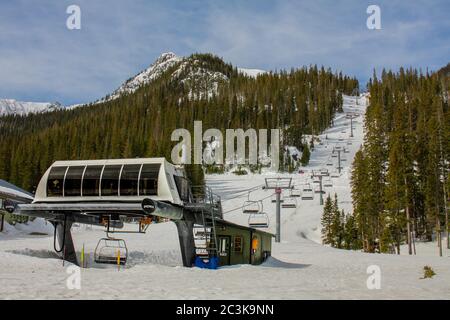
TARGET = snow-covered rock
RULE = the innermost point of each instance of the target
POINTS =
(161, 65)
(14, 107)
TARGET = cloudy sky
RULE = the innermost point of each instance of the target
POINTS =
(41, 60)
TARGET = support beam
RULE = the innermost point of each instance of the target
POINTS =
(66, 242)
(187, 245)
(278, 234)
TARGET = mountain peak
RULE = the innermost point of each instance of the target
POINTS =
(156, 69)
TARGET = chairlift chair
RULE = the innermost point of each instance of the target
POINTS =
(258, 220)
(307, 193)
(295, 193)
(111, 251)
(335, 174)
(317, 189)
(328, 183)
(251, 207)
(290, 203)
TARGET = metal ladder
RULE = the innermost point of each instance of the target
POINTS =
(205, 235)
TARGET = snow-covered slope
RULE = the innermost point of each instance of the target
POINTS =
(300, 267)
(11, 107)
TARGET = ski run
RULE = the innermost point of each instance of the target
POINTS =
(300, 266)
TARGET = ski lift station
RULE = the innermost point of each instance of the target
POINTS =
(108, 193)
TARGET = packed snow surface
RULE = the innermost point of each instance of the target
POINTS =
(300, 267)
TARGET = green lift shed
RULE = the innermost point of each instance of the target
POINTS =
(242, 245)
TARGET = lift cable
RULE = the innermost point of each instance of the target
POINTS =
(240, 208)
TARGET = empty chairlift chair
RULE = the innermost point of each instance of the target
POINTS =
(307, 193)
(251, 207)
(295, 193)
(335, 174)
(258, 220)
(317, 189)
(327, 183)
(289, 203)
(111, 251)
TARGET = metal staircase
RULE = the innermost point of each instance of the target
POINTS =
(208, 207)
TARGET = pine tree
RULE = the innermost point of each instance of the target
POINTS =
(327, 220)
(305, 155)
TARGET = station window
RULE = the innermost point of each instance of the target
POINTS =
(55, 181)
(129, 180)
(237, 244)
(91, 181)
(72, 183)
(110, 180)
(149, 179)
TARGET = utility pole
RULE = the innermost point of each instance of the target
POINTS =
(319, 175)
(351, 116)
(278, 231)
(278, 184)
(339, 161)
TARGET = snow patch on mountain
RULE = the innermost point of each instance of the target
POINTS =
(14, 107)
(190, 72)
(251, 72)
(161, 65)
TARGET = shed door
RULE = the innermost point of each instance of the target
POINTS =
(224, 250)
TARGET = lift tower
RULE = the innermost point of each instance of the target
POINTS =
(278, 184)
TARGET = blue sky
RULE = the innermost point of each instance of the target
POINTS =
(41, 60)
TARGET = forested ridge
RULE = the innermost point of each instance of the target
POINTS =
(139, 124)
(400, 177)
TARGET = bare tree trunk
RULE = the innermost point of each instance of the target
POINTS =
(2, 222)
(408, 220)
(438, 232)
